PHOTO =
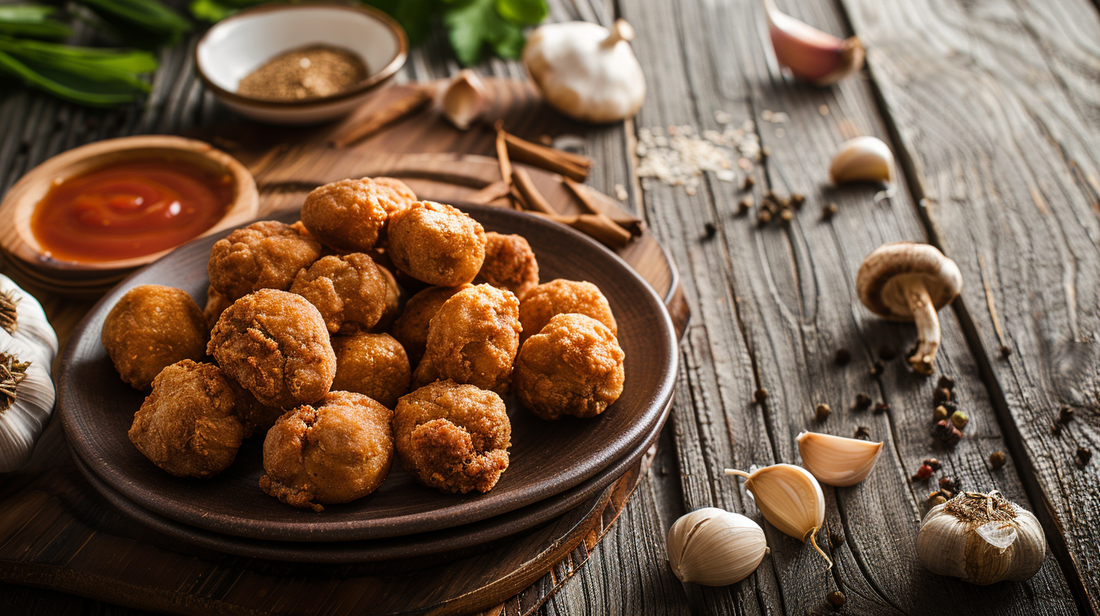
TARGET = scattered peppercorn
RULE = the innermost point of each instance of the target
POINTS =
(946, 433)
(835, 539)
(950, 406)
(797, 199)
(876, 368)
(748, 183)
(828, 211)
(863, 434)
(842, 357)
(1005, 351)
(959, 419)
(945, 382)
(743, 206)
(934, 463)
(709, 230)
(863, 402)
(938, 499)
(765, 152)
(763, 218)
(887, 352)
(1083, 457)
(882, 407)
(941, 395)
(997, 459)
(923, 473)
(949, 487)
(1056, 427)
(760, 395)
(786, 215)
(1065, 414)
(836, 599)
(822, 412)
(939, 413)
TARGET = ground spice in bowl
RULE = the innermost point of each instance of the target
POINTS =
(305, 73)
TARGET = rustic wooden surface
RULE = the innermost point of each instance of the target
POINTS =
(991, 108)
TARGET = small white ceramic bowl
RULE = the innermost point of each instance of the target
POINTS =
(238, 45)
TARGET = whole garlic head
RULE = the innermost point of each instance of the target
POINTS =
(586, 71)
(26, 401)
(714, 547)
(981, 538)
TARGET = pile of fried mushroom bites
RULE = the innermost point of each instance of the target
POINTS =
(311, 349)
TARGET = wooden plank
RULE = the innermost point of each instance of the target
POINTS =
(785, 296)
(998, 127)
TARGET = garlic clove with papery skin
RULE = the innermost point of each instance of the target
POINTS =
(586, 71)
(809, 53)
(982, 539)
(715, 547)
(790, 499)
(837, 460)
(22, 317)
(863, 159)
(464, 99)
(26, 402)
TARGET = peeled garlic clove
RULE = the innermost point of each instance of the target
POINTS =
(836, 460)
(463, 99)
(714, 547)
(981, 538)
(809, 53)
(790, 499)
(863, 159)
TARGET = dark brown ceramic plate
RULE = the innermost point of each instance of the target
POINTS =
(547, 458)
(400, 552)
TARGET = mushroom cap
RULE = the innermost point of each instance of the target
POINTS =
(890, 268)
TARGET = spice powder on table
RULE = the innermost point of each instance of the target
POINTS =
(308, 72)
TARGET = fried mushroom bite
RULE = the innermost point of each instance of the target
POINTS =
(473, 339)
(349, 214)
(509, 264)
(275, 345)
(574, 366)
(562, 297)
(151, 327)
(374, 365)
(263, 255)
(436, 243)
(348, 289)
(396, 195)
(339, 451)
(453, 437)
(188, 425)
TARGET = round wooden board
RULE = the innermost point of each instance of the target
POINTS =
(548, 459)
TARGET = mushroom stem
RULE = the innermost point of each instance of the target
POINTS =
(620, 31)
(928, 327)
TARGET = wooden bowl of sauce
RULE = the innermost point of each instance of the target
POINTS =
(85, 218)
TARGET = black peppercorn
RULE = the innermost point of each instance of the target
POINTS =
(946, 433)
(760, 395)
(941, 395)
(949, 487)
(797, 199)
(763, 218)
(1065, 414)
(863, 434)
(887, 352)
(743, 206)
(945, 382)
(836, 599)
(786, 215)
(876, 368)
(933, 463)
(997, 459)
(822, 412)
(882, 407)
(748, 183)
(1083, 457)
(951, 407)
(863, 402)
(829, 211)
(842, 357)
(1005, 352)
(709, 230)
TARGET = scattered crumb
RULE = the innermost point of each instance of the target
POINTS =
(680, 155)
(775, 117)
(690, 190)
(722, 117)
(620, 193)
(823, 110)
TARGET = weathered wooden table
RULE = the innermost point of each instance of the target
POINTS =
(993, 110)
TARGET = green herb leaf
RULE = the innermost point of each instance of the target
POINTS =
(217, 10)
(523, 12)
(476, 24)
(149, 15)
(32, 20)
(70, 81)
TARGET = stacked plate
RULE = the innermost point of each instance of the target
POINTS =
(555, 466)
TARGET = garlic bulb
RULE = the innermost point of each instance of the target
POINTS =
(836, 460)
(863, 159)
(790, 499)
(714, 547)
(981, 538)
(22, 317)
(586, 71)
(26, 401)
(463, 99)
(809, 53)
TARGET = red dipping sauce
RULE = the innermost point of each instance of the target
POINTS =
(130, 209)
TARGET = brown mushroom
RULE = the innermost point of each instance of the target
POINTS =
(907, 281)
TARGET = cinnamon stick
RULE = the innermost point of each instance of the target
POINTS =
(568, 164)
(490, 193)
(502, 154)
(599, 203)
(597, 226)
(399, 102)
(526, 186)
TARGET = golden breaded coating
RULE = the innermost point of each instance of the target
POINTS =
(374, 365)
(436, 243)
(473, 339)
(563, 297)
(151, 327)
(397, 194)
(216, 303)
(392, 305)
(347, 215)
(347, 289)
(509, 264)
(263, 255)
(453, 437)
(411, 328)
(574, 366)
(255, 416)
(275, 345)
(188, 426)
(335, 453)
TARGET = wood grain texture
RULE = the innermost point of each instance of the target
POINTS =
(997, 125)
